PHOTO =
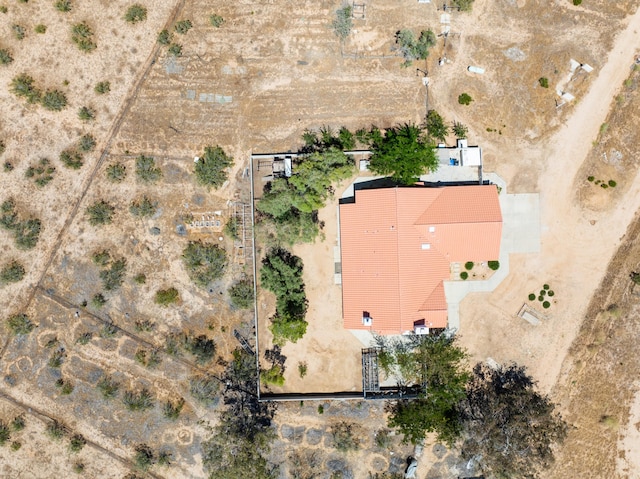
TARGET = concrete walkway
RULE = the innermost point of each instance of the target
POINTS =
(520, 234)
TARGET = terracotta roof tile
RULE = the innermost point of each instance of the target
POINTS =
(397, 245)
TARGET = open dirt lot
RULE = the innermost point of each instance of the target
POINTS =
(271, 71)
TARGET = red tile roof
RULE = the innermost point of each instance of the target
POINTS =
(397, 245)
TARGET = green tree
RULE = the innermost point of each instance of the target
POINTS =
(116, 172)
(508, 426)
(413, 48)
(175, 49)
(216, 20)
(5, 56)
(183, 26)
(210, 169)
(403, 153)
(100, 213)
(86, 113)
(136, 13)
(86, 143)
(146, 169)
(102, 87)
(343, 24)
(23, 86)
(436, 127)
(164, 37)
(143, 207)
(463, 5)
(63, 5)
(165, 297)
(241, 294)
(20, 324)
(72, 159)
(460, 130)
(13, 272)
(435, 366)
(82, 36)
(464, 99)
(205, 262)
(54, 100)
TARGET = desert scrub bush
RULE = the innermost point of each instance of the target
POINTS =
(469, 265)
(16, 445)
(211, 168)
(56, 430)
(343, 24)
(100, 213)
(82, 36)
(54, 100)
(171, 410)
(140, 278)
(67, 388)
(204, 389)
(63, 5)
(165, 297)
(164, 458)
(18, 31)
(3, 147)
(183, 26)
(144, 325)
(464, 99)
(216, 20)
(86, 143)
(203, 348)
(143, 207)
(171, 345)
(5, 433)
(113, 277)
(459, 130)
(108, 387)
(3, 9)
(147, 358)
(204, 262)
(383, 438)
(164, 37)
(20, 324)
(78, 467)
(344, 437)
(544, 82)
(175, 49)
(302, 369)
(136, 13)
(273, 375)
(612, 183)
(40, 28)
(144, 457)
(84, 338)
(462, 5)
(98, 300)
(72, 159)
(241, 294)
(7, 167)
(138, 400)
(116, 172)
(18, 423)
(5, 56)
(23, 86)
(108, 330)
(11, 272)
(577, 2)
(77, 442)
(146, 169)
(101, 257)
(41, 173)
(102, 87)
(86, 114)
(55, 361)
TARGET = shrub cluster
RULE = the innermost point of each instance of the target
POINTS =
(26, 232)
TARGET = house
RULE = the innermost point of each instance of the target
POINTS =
(397, 246)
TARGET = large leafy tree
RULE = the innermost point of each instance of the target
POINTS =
(241, 439)
(436, 365)
(211, 168)
(509, 428)
(403, 153)
(436, 127)
(205, 262)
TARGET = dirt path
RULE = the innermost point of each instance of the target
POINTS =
(575, 248)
